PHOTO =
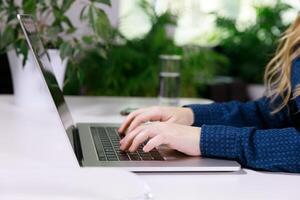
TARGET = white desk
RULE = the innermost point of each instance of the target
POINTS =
(35, 138)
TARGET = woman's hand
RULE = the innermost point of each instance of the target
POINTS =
(184, 116)
(180, 137)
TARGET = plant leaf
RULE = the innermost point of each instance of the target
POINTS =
(87, 39)
(107, 2)
(91, 16)
(7, 38)
(22, 48)
(66, 4)
(103, 25)
(66, 50)
(82, 13)
(29, 6)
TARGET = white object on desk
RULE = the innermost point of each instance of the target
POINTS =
(75, 184)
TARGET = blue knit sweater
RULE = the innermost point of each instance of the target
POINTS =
(249, 133)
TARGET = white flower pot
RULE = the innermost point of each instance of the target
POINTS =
(29, 87)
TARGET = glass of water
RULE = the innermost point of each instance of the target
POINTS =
(169, 80)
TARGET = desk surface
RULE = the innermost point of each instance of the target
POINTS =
(35, 138)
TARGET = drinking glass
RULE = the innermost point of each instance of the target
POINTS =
(169, 80)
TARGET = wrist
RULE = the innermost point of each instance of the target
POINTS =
(199, 139)
(189, 116)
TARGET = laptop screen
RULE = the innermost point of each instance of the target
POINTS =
(42, 58)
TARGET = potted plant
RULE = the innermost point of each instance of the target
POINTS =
(53, 25)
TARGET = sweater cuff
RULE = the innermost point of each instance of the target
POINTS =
(221, 141)
(206, 114)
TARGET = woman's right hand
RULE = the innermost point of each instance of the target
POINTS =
(178, 115)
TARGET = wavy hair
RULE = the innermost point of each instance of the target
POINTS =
(277, 76)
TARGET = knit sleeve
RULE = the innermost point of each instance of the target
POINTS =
(250, 114)
(272, 149)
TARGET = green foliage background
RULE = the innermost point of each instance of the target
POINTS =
(106, 63)
(250, 50)
(132, 69)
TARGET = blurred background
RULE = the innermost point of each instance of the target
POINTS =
(112, 47)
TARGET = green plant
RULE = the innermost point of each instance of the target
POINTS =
(53, 25)
(132, 67)
(250, 50)
(104, 62)
(101, 37)
(133, 64)
(200, 65)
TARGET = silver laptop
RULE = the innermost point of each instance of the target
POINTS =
(97, 144)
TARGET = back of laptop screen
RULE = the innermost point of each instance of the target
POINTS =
(42, 58)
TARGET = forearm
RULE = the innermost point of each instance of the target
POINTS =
(250, 114)
(272, 150)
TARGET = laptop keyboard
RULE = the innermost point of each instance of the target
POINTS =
(107, 143)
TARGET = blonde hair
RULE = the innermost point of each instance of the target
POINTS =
(277, 76)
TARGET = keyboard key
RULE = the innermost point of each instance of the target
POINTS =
(156, 155)
(147, 158)
(102, 158)
(145, 155)
(134, 156)
(123, 157)
(112, 159)
(106, 144)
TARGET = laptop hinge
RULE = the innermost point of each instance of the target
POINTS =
(77, 146)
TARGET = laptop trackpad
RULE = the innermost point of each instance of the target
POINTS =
(171, 154)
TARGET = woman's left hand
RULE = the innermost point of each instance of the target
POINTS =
(180, 137)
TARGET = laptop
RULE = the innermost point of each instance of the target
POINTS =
(96, 144)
